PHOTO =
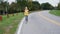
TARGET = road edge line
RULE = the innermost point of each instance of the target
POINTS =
(20, 26)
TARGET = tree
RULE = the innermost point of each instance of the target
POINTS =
(12, 8)
(21, 4)
(59, 6)
(46, 6)
(32, 5)
(35, 5)
(3, 6)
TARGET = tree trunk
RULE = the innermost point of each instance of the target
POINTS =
(7, 15)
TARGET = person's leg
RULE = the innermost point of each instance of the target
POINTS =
(26, 18)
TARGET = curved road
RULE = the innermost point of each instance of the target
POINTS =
(39, 24)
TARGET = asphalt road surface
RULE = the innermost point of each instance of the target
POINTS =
(40, 24)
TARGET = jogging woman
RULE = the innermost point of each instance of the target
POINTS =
(26, 13)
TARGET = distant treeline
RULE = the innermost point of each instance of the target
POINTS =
(19, 5)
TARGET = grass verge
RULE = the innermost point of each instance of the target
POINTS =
(55, 12)
(9, 25)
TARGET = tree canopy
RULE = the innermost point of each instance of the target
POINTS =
(59, 6)
(46, 6)
(19, 6)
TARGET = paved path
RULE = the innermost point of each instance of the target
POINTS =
(39, 24)
(51, 16)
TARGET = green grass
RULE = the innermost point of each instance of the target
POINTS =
(55, 12)
(9, 25)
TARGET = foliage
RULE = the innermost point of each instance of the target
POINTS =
(46, 6)
(59, 6)
(34, 5)
(3, 6)
(19, 6)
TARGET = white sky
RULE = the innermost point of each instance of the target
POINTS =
(52, 2)
(10, 1)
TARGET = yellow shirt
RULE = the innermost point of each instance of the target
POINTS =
(26, 13)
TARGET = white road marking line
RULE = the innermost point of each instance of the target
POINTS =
(20, 26)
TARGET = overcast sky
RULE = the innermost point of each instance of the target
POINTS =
(53, 2)
(10, 1)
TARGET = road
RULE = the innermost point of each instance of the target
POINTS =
(40, 24)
